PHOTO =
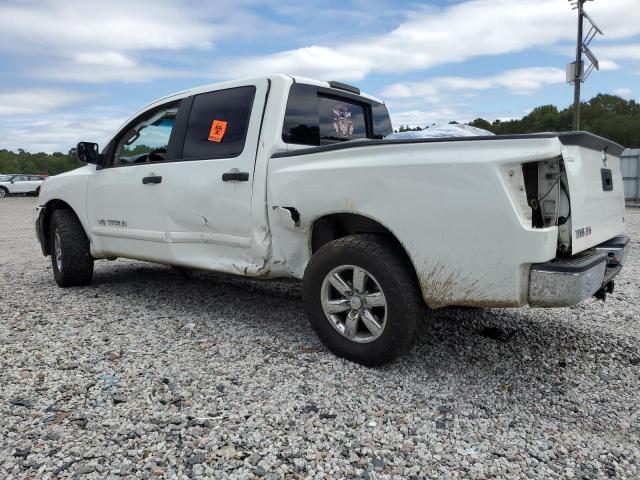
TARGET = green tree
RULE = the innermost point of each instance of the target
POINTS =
(609, 116)
(40, 163)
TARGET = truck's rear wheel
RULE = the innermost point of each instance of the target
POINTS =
(70, 254)
(362, 298)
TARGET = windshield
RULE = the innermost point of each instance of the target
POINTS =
(4, 178)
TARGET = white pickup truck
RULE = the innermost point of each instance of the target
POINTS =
(283, 176)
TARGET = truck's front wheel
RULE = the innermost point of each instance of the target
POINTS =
(362, 298)
(70, 254)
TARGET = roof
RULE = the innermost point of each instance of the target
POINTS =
(230, 84)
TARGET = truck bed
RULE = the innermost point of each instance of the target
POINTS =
(583, 139)
(460, 206)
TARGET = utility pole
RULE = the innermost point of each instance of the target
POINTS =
(577, 79)
(576, 73)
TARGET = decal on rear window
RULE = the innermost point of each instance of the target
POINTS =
(342, 121)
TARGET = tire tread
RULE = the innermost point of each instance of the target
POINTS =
(77, 260)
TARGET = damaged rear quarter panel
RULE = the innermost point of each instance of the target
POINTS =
(447, 203)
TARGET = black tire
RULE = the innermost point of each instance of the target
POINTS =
(382, 259)
(37, 192)
(76, 263)
(3, 192)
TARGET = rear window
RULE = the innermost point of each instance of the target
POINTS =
(340, 120)
(319, 117)
(218, 123)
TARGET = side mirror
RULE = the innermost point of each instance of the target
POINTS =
(87, 152)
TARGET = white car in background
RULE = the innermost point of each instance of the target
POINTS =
(22, 184)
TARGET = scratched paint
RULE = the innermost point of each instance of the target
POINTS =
(443, 284)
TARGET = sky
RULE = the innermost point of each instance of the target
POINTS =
(74, 70)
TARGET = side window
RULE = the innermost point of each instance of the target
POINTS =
(380, 120)
(301, 121)
(147, 141)
(20, 178)
(35, 179)
(218, 123)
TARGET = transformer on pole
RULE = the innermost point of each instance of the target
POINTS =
(576, 73)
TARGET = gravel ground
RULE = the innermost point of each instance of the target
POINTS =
(150, 373)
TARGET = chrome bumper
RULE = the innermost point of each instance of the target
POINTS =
(562, 282)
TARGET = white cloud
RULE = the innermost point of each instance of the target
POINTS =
(57, 132)
(520, 81)
(440, 36)
(623, 92)
(422, 118)
(104, 59)
(34, 101)
(96, 73)
(96, 67)
(608, 65)
(630, 51)
(117, 25)
(91, 41)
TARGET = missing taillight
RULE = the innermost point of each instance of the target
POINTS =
(548, 197)
(530, 174)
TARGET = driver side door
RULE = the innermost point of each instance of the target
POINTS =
(125, 199)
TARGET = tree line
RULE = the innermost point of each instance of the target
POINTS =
(38, 163)
(609, 116)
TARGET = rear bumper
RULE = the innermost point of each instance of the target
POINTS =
(562, 282)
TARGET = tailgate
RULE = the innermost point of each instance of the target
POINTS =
(592, 165)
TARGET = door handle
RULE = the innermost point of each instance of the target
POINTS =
(152, 179)
(235, 175)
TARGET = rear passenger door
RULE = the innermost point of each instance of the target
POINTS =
(208, 193)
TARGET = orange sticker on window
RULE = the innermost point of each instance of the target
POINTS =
(218, 127)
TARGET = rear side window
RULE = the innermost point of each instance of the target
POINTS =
(218, 123)
(319, 117)
(380, 120)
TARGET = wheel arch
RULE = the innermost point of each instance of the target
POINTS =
(50, 207)
(336, 225)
